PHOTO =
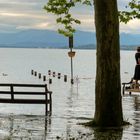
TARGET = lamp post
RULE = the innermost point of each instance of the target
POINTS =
(71, 54)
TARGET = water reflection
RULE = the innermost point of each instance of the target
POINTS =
(73, 95)
(24, 127)
(74, 131)
(108, 134)
(136, 103)
(136, 115)
(70, 106)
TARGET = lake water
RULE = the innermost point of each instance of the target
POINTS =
(72, 104)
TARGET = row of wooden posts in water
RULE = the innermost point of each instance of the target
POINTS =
(50, 73)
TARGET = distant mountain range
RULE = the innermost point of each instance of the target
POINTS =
(51, 39)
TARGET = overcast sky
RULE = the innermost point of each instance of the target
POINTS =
(16, 15)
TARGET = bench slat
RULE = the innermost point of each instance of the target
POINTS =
(23, 92)
(25, 101)
(132, 90)
(23, 85)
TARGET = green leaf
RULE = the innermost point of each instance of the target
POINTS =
(87, 2)
(133, 13)
(58, 20)
(77, 21)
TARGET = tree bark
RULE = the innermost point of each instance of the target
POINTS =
(108, 104)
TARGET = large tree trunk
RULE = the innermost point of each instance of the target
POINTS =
(108, 104)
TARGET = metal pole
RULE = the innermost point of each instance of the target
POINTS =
(71, 46)
(72, 82)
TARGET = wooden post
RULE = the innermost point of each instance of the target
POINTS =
(39, 75)
(44, 78)
(49, 72)
(53, 74)
(35, 73)
(50, 81)
(59, 75)
(65, 78)
(32, 72)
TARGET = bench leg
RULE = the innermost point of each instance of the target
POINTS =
(50, 104)
(46, 109)
(123, 90)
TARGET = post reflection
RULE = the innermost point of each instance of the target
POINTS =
(25, 127)
(71, 104)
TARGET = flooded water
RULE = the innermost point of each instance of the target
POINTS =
(72, 104)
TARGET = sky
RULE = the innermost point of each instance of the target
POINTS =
(17, 15)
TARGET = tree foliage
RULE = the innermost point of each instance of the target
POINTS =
(62, 9)
(133, 11)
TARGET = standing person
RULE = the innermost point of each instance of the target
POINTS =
(137, 67)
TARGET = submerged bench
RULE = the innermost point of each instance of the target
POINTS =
(36, 91)
(130, 87)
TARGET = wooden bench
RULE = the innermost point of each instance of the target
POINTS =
(34, 90)
(127, 87)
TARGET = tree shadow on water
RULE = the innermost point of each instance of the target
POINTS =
(108, 133)
(96, 134)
